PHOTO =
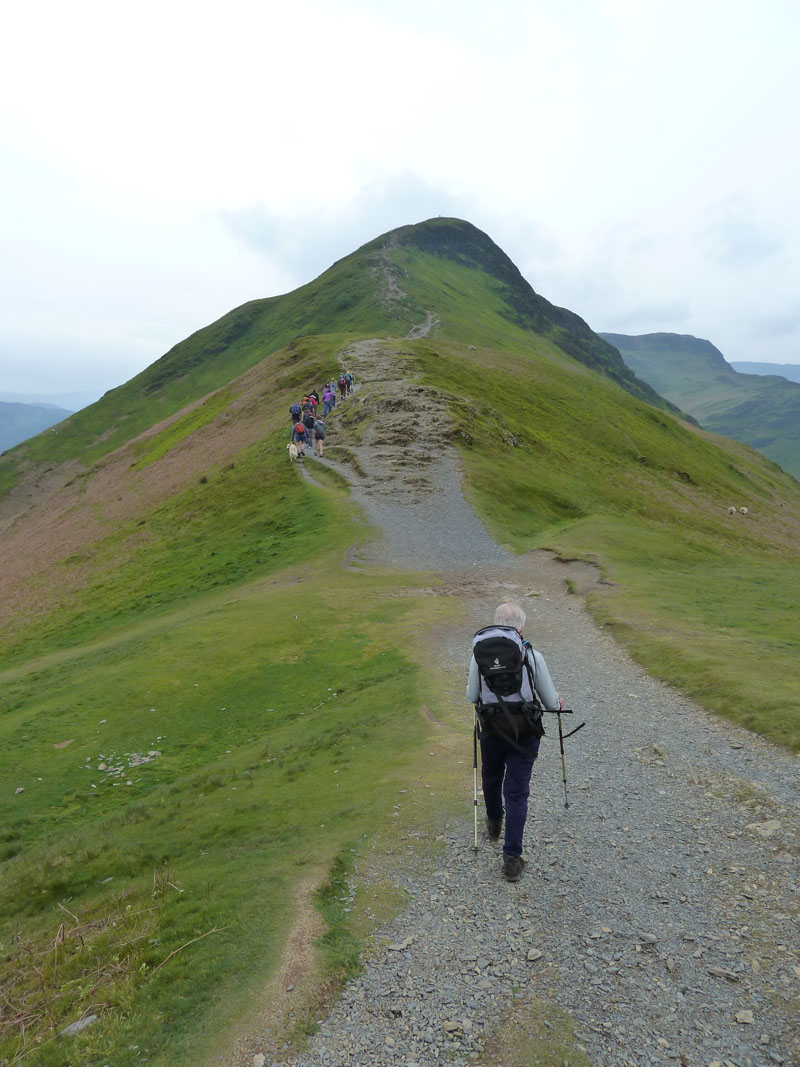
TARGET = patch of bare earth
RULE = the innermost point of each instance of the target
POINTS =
(292, 990)
(406, 424)
(64, 514)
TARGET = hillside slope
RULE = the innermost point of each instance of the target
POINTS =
(445, 266)
(761, 410)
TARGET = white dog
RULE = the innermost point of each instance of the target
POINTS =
(293, 453)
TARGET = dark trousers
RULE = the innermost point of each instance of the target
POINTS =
(506, 775)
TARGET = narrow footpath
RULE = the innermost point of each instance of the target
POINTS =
(660, 910)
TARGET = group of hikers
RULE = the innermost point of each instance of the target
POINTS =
(308, 426)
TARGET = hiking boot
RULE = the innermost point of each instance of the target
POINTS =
(512, 867)
(493, 828)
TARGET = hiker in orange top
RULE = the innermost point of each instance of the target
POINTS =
(300, 436)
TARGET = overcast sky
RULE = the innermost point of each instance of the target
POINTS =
(164, 161)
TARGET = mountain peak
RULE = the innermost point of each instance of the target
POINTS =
(462, 242)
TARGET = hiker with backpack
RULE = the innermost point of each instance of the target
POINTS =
(319, 437)
(308, 422)
(294, 412)
(510, 686)
(300, 437)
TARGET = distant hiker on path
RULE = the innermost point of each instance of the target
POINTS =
(509, 684)
(319, 437)
(300, 436)
(308, 422)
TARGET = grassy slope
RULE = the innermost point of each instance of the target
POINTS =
(340, 301)
(343, 301)
(445, 242)
(262, 699)
(704, 600)
(253, 789)
(763, 411)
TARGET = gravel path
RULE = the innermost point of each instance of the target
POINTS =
(660, 910)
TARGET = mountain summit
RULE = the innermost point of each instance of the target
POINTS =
(444, 268)
(466, 245)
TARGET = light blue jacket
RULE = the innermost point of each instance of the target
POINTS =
(545, 689)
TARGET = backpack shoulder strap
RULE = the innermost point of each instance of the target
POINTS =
(528, 660)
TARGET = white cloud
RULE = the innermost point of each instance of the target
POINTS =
(164, 162)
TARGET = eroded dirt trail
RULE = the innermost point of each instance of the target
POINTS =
(403, 470)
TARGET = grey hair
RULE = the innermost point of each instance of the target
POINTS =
(510, 615)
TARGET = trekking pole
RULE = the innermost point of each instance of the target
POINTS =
(475, 777)
(561, 738)
(563, 761)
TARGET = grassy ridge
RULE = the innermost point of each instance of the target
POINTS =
(251, 517)
(342, 301)
(446, 264)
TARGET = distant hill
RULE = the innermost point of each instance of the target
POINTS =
(69, 401)
(761, 410)
(18, 422)
(783, 370)
(384, 287)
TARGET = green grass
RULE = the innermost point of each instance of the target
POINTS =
(251, 517)
(221, 632)
(181, 428)
(269, 738)
(720, 625)
(759, 410)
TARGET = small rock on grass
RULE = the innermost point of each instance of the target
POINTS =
(79, 1026)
